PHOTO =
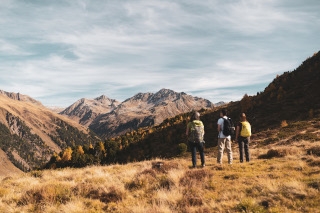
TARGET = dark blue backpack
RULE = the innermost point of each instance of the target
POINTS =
(228, 127)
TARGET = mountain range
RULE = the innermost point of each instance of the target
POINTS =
(108, 117)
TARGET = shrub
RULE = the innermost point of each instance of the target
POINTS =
(231, 177)
(299, 125)
(51, 193)
(314, 184)
(167, 166)
(307, 137)
(137, 183)
(36, 174)
(314, 151)
(198, 176)
(192, 197)
(314, 162)
(281, 152)
(165, 183)
(270, 141)
(284, 123)
(182, 147)
(249, 205)
(113, 195)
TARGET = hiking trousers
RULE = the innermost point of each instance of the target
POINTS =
(224, 143)
(244, 148)
(194, 147)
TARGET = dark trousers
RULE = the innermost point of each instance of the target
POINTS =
(244, 148)
(194, 147)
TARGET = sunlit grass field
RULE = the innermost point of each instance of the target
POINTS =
(283, 176)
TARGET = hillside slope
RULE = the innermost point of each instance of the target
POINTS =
(6, 166)
(30, 133)
(291, 96)
(278, 179)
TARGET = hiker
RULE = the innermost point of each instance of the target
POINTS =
(195, 133)
(224, 141)
(243, 133)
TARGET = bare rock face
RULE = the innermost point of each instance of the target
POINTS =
(146, 109)
(85, 110)
(20, 97)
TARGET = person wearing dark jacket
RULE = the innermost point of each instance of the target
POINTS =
(243, 133)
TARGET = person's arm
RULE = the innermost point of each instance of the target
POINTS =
(219, 127)
(202, 130)
(187, 131)
(237, 132)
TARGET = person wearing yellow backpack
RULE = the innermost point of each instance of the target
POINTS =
(243, 133)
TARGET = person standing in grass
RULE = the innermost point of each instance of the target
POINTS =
(243, 133)
(195, 133)
(224, 141)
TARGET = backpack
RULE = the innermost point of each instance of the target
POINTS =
(196, 134)
(228, 127)
(245, 129)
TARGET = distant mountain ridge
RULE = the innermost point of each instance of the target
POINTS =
(143, 109)
(85, 110)
(20, 97)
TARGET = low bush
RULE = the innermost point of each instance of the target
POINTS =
(249, 205)
(51, 193)
(307, 137)
(281, 152)
(182, 148)
(269, 140)
(314, 151)
(195, 176)
(314, 184)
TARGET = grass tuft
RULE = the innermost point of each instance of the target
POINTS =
(279, 153)
(315, 150)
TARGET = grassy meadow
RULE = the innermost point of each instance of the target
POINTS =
(283, 176)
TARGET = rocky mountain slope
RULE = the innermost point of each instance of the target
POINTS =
(20, 97)
(30, 133)
(146, 109)
(85, 110)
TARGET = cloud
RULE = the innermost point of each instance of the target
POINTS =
(61, 51)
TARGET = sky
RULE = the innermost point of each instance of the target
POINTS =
(60, 51)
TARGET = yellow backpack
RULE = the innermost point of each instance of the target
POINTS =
(246, 129)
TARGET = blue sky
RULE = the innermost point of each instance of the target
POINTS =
(60, 51)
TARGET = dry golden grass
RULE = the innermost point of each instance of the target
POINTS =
(288, 181)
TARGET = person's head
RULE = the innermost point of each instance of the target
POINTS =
(243, 117)
(195, 116)
(223, 112)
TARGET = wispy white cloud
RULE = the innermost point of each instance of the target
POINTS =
(60, 51)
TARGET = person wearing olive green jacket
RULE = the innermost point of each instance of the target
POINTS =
(195, 133)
